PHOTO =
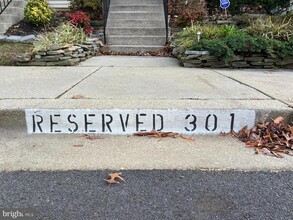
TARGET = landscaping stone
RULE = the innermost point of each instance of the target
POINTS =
(260, 63)
(55, 56)
(237, 58)
(240, 64)
(23, 58)
(2, 38)
(28, 39)
(208, 57)
(254, 59)
(190, 65)
(55, 52)
(257, 61)
(193, 61)
(194, 52)
(81, 55)
(53, 47)
(271, 60)
(215, 64)
(189, 57)
(51, 58)
(13, 39)
(65, 58)
(289, 66)
(85, 48)
(41, 53)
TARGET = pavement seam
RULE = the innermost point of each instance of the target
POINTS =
(59, 96)
(271, 97)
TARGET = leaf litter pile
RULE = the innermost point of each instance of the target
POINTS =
(272, 138)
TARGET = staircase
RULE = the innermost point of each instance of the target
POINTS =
(11, 12)
(135, 25)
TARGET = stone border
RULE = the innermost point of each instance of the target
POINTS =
(202, 59)
(18, 39)
(67, 55)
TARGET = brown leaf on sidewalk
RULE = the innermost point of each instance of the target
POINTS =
(159, 134)
(78, 145)
(78, 97)
(114, 177)
(270, 138)
(92, 137)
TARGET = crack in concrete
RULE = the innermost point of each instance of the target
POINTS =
(59, 96)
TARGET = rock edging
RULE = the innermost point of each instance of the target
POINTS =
(67, 55)
(197, 59)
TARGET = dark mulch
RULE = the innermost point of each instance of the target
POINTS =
(24, 28)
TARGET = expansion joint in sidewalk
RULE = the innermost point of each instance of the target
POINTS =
(59, 96)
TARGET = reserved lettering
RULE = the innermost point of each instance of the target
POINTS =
(130, 121)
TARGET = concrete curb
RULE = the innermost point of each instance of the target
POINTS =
(12, 112)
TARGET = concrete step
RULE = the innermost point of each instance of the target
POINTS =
(136, 15)
(137, 40)
(143, 23)
(137, 7)
(131, 2)
(9, 19)
(136, 31)
(131, 48)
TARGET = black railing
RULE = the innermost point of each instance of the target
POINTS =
(166, 20)
(106, 6)
(4, 4)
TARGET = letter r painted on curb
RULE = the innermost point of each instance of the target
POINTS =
(37, 123)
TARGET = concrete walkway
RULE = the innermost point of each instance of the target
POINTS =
(136, 83)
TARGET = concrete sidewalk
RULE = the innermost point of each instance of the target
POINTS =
(136, 83)
(142, 82)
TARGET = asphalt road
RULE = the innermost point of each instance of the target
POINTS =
(161, 194)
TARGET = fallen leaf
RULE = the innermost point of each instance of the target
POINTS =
(159, 134)
(111, 181)
(190, 139)
(78, 145)
(78, 97)
(278, 120)
(114, 177)
(277, 155)
(92, 137)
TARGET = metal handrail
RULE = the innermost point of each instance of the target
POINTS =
(4, 4)
(106, 6)
(166, 19)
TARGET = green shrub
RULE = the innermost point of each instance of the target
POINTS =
(280, 27)
(92, 7)
(244, 44)
(188, 37)
(38, 12)
(64, 34)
